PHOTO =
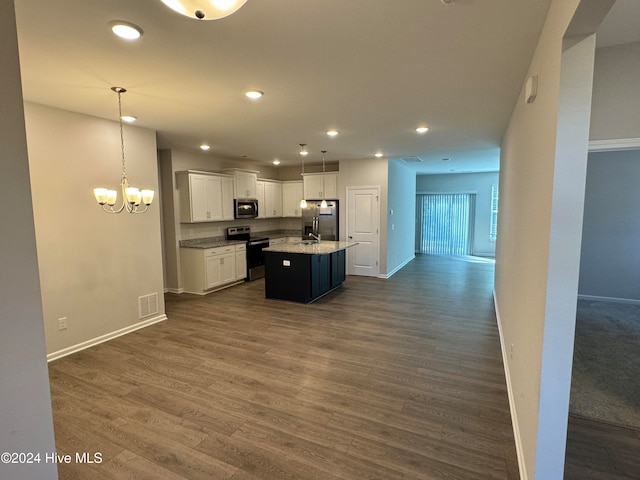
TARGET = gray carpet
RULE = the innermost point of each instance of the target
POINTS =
(605, 384)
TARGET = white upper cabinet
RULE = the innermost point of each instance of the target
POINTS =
(260, 196)
(227, 198)
(204, 197)
(320, 185)
(291, 196)
(272, 199)
(245, 182)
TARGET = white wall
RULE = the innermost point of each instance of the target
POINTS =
(401, 224)
(93, 266)
(542, 171)
(26, 423)
(478, 183)
(615, 111)
(610, 257)
(367, 173)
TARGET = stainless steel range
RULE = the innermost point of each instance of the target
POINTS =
(255, 244)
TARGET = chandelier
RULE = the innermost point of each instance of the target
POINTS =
(204, 9)
(132, 197)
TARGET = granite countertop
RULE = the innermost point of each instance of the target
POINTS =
(209, 243)
(322, 248)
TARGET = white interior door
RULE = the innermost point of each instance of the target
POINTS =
(362, 227)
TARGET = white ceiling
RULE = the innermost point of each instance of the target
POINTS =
(372, 69)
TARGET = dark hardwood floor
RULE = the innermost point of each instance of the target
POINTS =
(381, 379)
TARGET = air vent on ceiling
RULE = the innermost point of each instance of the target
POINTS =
(411, 159)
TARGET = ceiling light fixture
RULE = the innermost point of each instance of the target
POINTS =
(276, 162)
(204, 9)
(303, 202)
(253, 94)
(323, 204)
(332, 133)
(422, 130)
(132, 197)
(126, 30)
(128, 118)
(378, 155)
(303, 149)
(204, 147)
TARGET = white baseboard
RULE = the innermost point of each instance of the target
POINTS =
(596, 298)
(397, 269)
(512, 405)
(174, 290)
(103, 338)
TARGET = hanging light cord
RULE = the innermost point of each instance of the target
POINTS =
(124, 170)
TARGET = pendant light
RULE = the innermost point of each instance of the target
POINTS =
(132, 197)
(303, 153)
(323, 204)
(204, 9)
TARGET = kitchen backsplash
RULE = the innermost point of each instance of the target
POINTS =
(190, 231)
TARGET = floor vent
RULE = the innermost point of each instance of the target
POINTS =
(147, 305)
(411, 159)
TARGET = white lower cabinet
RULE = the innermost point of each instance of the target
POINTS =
(241, 262)
(207, 269)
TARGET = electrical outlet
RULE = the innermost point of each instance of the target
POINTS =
(62, 323)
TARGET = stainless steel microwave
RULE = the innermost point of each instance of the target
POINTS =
(245, 208)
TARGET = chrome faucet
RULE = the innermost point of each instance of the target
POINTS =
(317, 239)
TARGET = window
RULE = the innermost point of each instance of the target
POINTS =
(445, 223)
(493, 228)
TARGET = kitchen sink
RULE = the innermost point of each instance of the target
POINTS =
(307, 242)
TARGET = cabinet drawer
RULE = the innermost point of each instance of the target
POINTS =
(241, 248)
(219, 250)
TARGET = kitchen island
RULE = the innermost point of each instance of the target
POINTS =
(303, 272)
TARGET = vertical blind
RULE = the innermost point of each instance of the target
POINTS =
(445, 223)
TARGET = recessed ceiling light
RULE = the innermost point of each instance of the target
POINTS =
(128, 118)
(276, 162)
(446, 159)
(126, 30)
(378, 155)
(253, 94)
(422, 129)
(204, 147)
(332, 133)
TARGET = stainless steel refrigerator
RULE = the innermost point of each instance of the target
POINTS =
(318, 220)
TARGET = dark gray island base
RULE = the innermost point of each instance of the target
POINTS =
(304, 273)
